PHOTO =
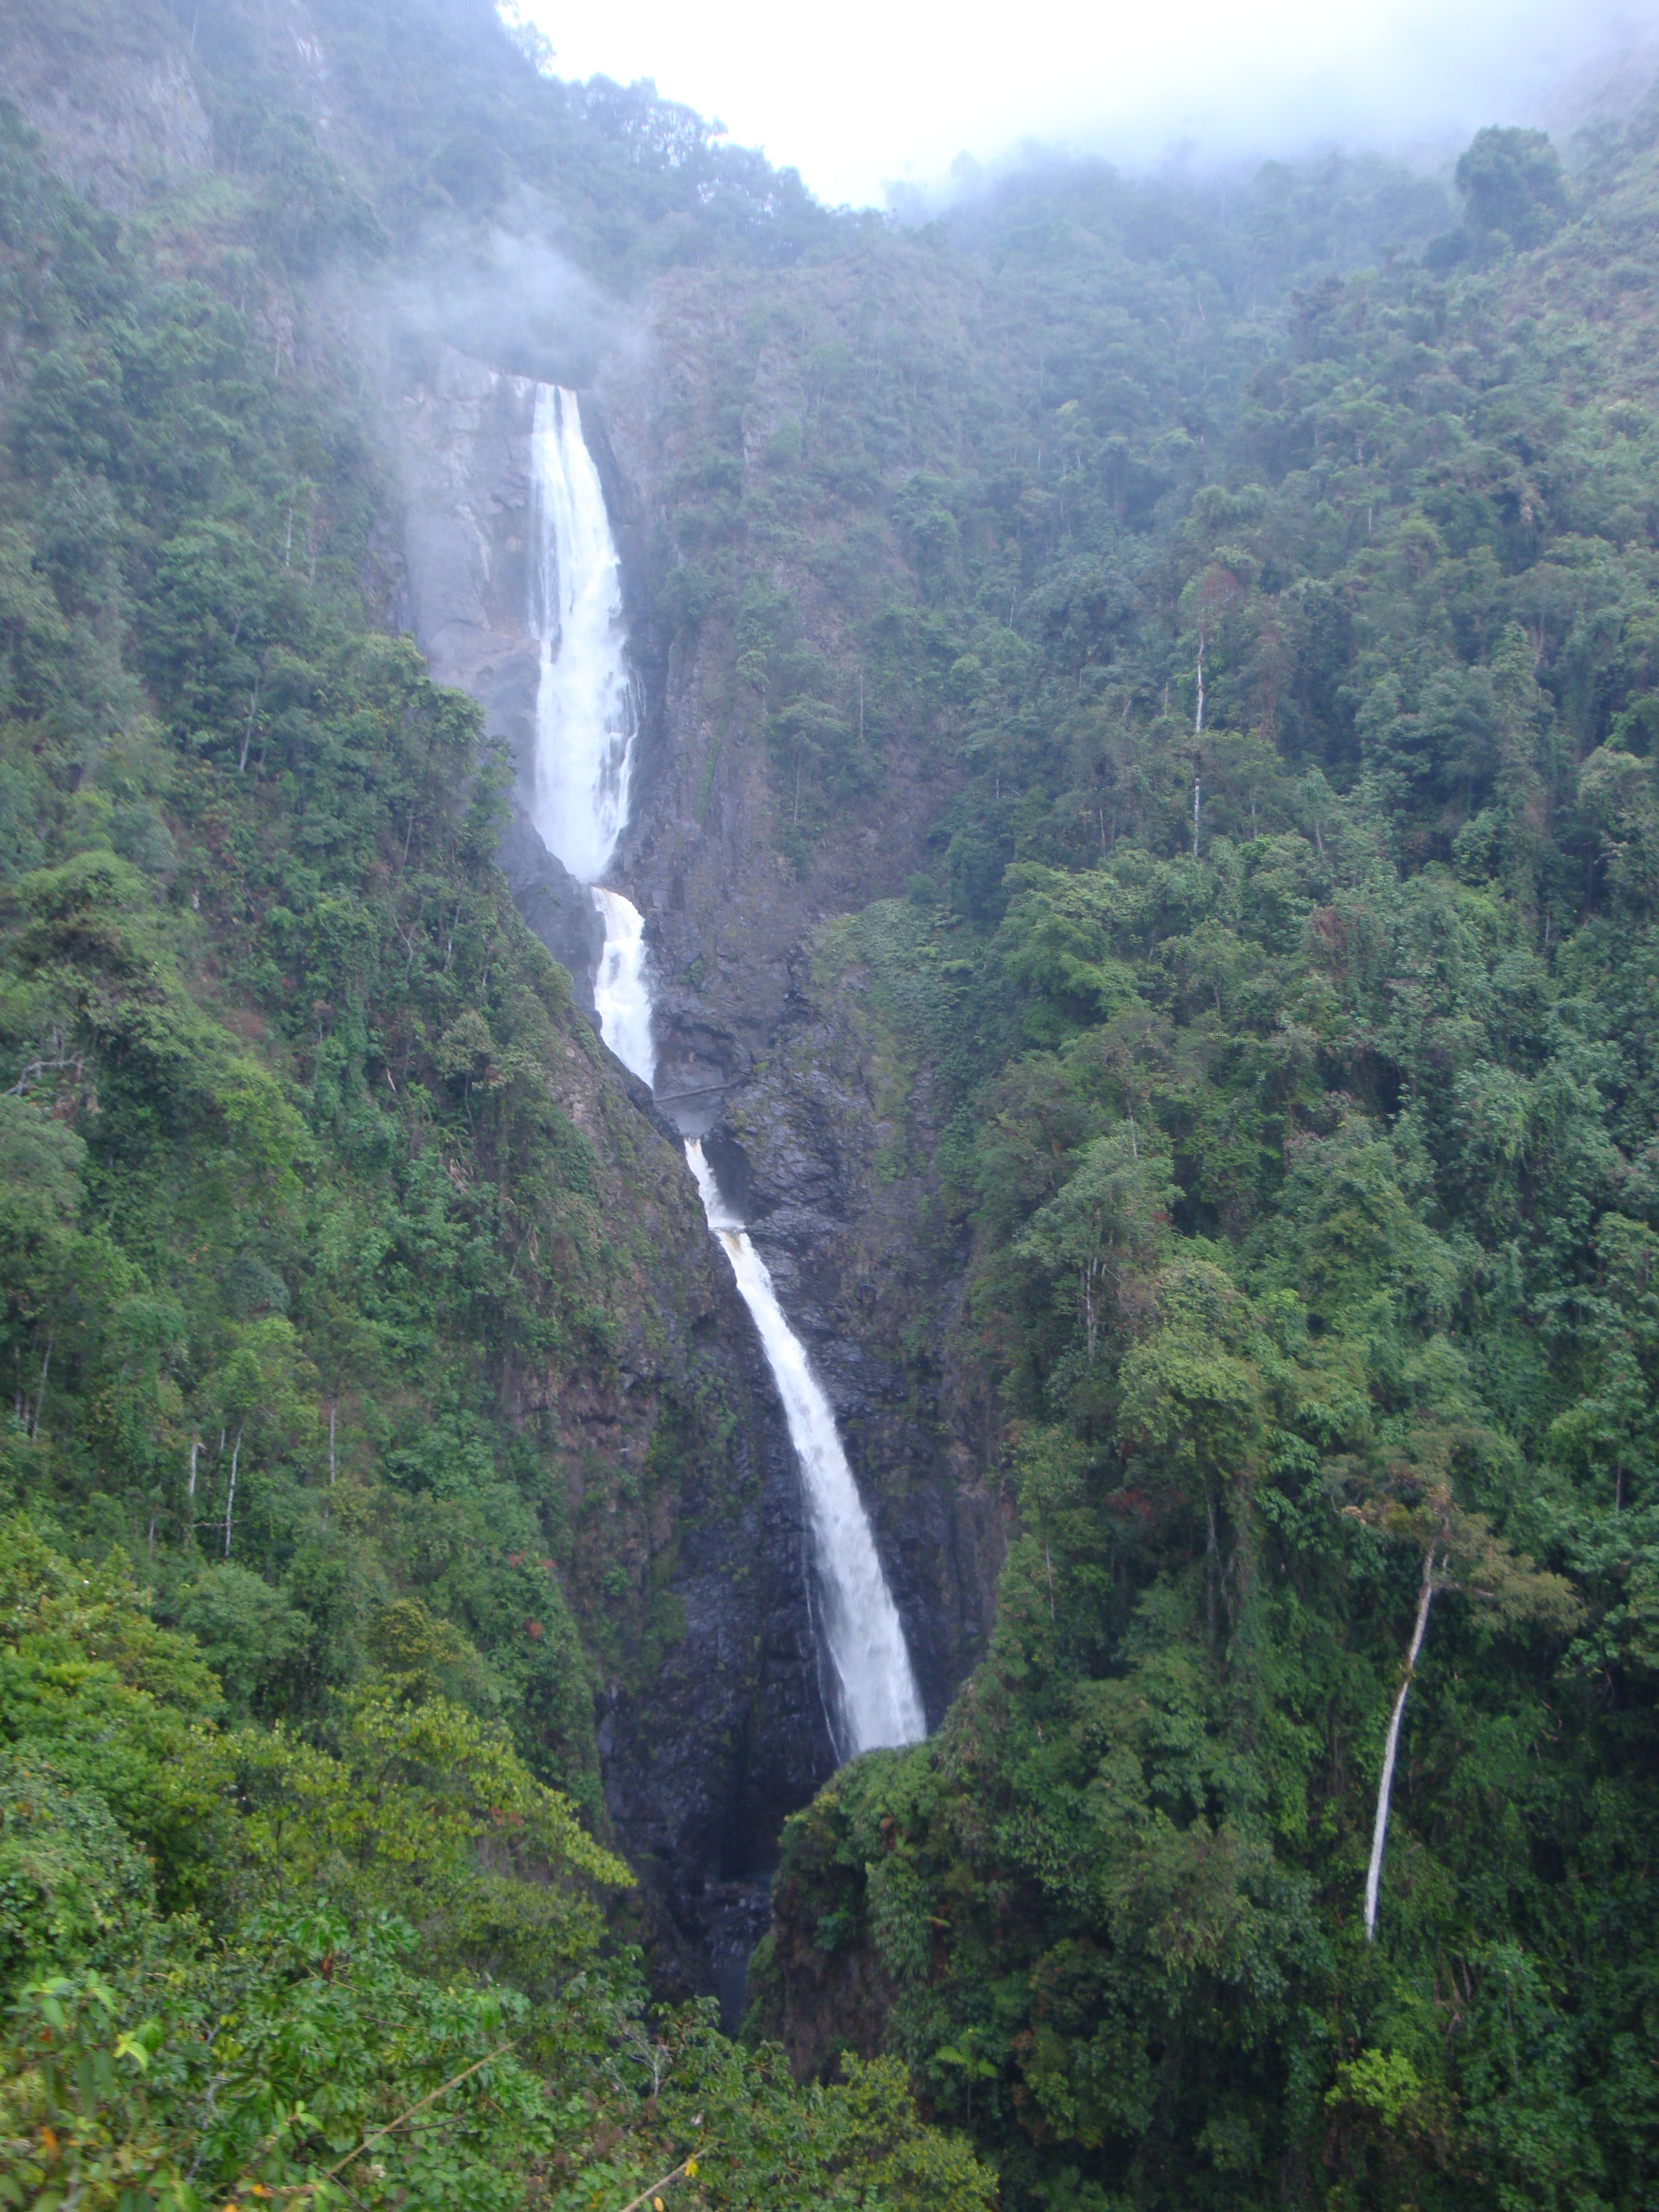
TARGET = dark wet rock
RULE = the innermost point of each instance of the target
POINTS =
(712, 1739)
(711, 1733)
(560, 910)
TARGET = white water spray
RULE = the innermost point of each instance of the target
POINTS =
(876, 1698)
(585, 708)
(622, 996)
(584, 699)
(584, 723)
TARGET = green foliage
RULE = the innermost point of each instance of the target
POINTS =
(394, 1989)
(1245, 593)
(287, 1194)
(1296, 889)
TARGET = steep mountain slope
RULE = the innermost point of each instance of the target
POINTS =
(1306, 1147)
(1144, 823)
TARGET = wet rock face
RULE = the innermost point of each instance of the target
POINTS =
(560, 910)
(705, 1750)
(773, 1069)
(832, 1149)
(712, 1731)
(464, 442)
(690, 1572)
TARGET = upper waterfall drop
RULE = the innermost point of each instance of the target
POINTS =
(584, 714)
(584, 708)
(876, 1698)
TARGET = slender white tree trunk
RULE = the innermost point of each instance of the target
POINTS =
(230, 1495)
(1198, 715)
(1385, 1784)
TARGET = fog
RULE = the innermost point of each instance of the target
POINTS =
(506, 295)
(877, 92)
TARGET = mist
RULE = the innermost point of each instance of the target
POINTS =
(902, 90)
(506, 295)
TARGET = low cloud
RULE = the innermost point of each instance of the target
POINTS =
(507, 295)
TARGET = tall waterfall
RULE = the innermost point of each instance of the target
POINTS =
(584, 723)
(584, 716)
(876, 1698)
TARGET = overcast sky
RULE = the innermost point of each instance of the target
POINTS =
(870, 92)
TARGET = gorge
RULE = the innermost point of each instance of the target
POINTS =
(581, 783)
(734, 1389)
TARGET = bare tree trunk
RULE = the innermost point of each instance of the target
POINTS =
(40, 1394)
(230, 1495)
(1385, 1784)
(248, 734)
(1198, 714)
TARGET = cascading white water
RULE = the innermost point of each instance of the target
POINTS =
(584, 699)
(584, 724)
(622, 995)
(585, 708)
(876, 1697)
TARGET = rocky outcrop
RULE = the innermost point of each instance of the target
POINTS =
(119, 118)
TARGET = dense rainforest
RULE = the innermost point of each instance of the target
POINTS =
(1225, 606)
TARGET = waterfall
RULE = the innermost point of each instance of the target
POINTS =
(584, 723)
(585, 707)
(622, 996)
(584, 697)
(876, 1700)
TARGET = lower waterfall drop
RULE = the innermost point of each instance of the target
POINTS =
(877, 1702)
(622, 995)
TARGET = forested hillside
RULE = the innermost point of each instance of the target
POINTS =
(317, 1198)
(1287, 955)
(1192, 645)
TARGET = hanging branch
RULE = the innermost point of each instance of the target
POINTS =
(307, 2188)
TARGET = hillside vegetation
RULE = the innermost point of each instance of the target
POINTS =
(1287, 954)
(1257, 579)
(295, 1206)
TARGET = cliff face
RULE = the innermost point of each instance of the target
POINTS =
(463, 442)
(781, 1043)
(711, 1723)
(832, 1139)
(781, 1039)
(818, 1115)
(120, 117)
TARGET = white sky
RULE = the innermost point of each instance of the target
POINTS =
(868, 91)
